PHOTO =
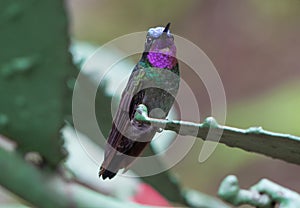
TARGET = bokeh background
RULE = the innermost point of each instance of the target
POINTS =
(255, 47)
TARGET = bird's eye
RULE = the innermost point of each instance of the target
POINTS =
(149, 39)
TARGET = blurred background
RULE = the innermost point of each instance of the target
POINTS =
(255, 47)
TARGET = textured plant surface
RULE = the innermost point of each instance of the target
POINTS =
(36, 82)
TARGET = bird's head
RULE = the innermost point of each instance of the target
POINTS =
(160, 47)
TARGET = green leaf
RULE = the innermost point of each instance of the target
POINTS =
(35, 66)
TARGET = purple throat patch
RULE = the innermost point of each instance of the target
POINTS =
(161, 60)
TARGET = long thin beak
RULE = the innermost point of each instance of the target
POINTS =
(167, 28)
(165, 31)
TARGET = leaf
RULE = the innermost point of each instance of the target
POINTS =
(35, 67)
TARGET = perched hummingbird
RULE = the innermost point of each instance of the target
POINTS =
(153, 82)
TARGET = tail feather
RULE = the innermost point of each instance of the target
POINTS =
(106, 173)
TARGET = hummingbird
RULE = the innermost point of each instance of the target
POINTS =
(154, 82)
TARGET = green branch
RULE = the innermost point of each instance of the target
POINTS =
(230, 191)
(43, 189)
(255, 139)
(264, 194)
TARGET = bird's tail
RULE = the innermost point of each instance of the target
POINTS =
(106, 173)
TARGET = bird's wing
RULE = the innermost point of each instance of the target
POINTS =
(118, 141)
